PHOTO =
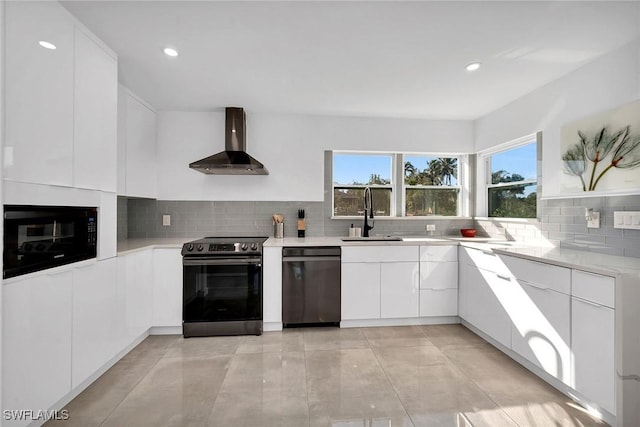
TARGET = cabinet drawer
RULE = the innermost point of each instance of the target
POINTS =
(594, 287)
(544, 275)
(486, 260)
(379, 253)
(438, 253)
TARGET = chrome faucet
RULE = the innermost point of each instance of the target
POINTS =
(368, 208)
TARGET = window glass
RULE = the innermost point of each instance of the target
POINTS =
(361, 169)
(512, 189)
(352, 173)
(517, 164)
(426, 170)
(428, 181)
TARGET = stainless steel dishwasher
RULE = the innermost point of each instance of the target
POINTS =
(310, 285)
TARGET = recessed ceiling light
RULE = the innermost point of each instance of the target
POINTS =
(170, 51)
(473, 66)
(47, 45)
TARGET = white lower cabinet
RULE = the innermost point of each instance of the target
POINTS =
(272, 286)
(541, 328)
(592, 344)
(438, 288)
(380, 282)
(95, 323)
(360, 291)
(487, 296)
(36, 341)
(399, 290)
(167, 287)
(138, 281)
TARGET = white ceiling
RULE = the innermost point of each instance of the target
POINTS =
(363, 58)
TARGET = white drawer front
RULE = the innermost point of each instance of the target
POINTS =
(544, 275)
(379, 253)
(487, 260)
(594, 288)
(438, 253)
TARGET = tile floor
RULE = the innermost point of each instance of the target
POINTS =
(394, 376)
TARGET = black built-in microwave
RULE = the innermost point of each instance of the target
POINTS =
(41, 237)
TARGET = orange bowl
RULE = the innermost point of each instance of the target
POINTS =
(468, 232)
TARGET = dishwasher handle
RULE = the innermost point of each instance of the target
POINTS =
(310, 259)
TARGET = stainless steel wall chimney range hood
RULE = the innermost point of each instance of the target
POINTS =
(233, 160)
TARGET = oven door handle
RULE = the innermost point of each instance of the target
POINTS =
(221, 261)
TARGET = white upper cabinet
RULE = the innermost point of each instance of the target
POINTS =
(61, 103)
(95, 121)
(137, 158)
(38, 93)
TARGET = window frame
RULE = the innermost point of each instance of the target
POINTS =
(485, 171)
(398, 187)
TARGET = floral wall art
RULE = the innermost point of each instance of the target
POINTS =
(601, 154)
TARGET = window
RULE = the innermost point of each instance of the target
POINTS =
(352, 172)
(431, 186)
(512, 180)
(402, 185)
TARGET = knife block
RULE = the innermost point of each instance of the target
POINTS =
(301, 228)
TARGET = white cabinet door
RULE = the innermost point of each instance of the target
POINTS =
(141, 149)
(272, 288)
(399, 290)
(95, 334)
(592, 344)
(139, 292)
(167, 287)
(541, 328)
(360, 291)
(438, 275)
(438, 302)
(488, 298)
(36, 341)
(95, 115)
(38, 94)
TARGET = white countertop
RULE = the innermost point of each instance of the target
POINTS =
(609, 265)
(131, 245)
(337, 241)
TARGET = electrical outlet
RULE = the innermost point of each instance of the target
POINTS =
(593, 221)
(431, 227)
(166, 220)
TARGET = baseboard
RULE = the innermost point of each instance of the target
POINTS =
(271, 326)
(368, 323)
(97, 374)
(165, 330)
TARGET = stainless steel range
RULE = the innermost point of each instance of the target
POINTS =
(222, 286)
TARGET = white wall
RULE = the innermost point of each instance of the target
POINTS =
(290, 146)
(606, 83)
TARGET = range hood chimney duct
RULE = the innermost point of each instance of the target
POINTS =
(233, 160)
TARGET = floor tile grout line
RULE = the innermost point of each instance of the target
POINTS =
(482, 390)
(395, 390)
(137, 383)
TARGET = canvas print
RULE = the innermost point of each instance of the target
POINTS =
(602, 153)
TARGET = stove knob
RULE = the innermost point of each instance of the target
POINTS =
(190, 247)
(254, 246)
(243, 246)
(200, 247)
